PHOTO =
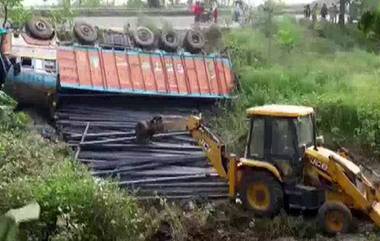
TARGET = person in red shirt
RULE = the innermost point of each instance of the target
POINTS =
(197, 10)
(215, 11)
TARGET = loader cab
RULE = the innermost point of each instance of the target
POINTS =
(280, 134)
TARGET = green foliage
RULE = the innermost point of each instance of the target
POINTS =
(135, 4)
(74, 205)
(7, 5)
(284, 225)
(19, 15)
(341, 84)
(369, 22)
(63, 15)
(264, 17)
(288, 34)
(223, 221)
(90, 3)
(9, 120)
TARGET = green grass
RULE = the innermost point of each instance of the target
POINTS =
(340, 80)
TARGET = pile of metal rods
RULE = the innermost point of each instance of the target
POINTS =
(171, 165)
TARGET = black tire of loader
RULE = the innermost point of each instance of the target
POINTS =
(39, 28)
(344, 213)
(85, 33)
(274, 187)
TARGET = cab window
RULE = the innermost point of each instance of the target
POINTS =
(282, 138)
(256, 147)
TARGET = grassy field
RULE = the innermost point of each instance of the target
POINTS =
(334, 70)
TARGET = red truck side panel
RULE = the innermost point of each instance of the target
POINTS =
(136, 72)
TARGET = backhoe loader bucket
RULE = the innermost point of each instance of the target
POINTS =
(145, 130)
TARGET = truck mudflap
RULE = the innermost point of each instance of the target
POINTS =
(135, 72)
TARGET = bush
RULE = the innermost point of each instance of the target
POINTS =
(288, 34)
(18, 16)
(74, 205)
(284, 225)
(135, 4)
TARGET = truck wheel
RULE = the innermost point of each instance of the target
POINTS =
(334, 217)
(262, 193)
(85, 33)
(39, 28)
(144, 37)
(194, 41)
(169, 41)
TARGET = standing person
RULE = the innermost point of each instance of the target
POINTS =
(324, 11)
(215, 12)
(189, 4)
(333, 12)
(307, 11)
(314, 12)
(353, 11)
(197, 10)
(237, 11)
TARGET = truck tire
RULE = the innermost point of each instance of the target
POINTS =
(143, 37)
(39, 28)
(194, 41)
(334, 218)
(261, 193)
(169, 41)
(85, 33)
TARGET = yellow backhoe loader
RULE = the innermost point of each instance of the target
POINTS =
(284, 166)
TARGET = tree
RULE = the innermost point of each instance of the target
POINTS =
(264, 20)
(342, 11)
(288, 34)
(370, 19)
(18, 16)
(90, 3)
(63, 15)
(6, 6)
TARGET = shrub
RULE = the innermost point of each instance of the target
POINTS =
(19, 16)
(74, 206)
(135, 4)
(341, 85)
(284, 225)
(288, 34)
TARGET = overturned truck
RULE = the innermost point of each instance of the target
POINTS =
(97, 94)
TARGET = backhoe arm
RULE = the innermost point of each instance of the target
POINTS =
(346, 179)
(210, 143)
(213, 147)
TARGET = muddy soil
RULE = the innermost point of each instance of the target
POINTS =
(228, 222)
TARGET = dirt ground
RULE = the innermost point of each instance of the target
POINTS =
(224, 221)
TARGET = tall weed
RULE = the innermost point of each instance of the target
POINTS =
(341, 84)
